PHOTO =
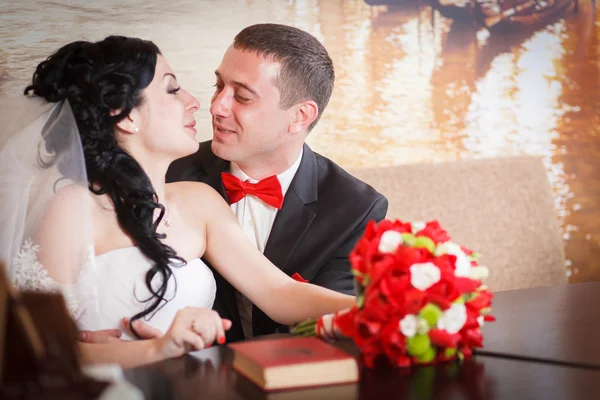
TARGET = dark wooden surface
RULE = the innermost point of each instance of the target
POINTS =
(550, 325)
(208, 375)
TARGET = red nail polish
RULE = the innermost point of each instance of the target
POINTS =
(208, 346)
(221, 340)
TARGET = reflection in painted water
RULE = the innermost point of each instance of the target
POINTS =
(413, 85)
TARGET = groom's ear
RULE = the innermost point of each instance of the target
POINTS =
(304, 114)
(127, 125)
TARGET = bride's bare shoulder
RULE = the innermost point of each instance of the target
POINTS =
(195, 194)
(69, 202)
(71, 195)
(193, 189)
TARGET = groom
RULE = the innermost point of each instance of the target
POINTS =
(300, 209)
(305, 213)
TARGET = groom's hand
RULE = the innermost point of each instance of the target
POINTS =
(104, 336)
(114, 335)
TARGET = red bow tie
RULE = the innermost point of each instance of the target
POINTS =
(268, 190)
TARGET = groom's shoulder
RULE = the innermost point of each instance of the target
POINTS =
(335, 181)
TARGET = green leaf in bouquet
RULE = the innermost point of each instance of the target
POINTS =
(424, 242)
(356, 273)
(366, 280)
(418, 345)
(469, 296)
(459, 300)
(475, 256)
(450, 352)
(360, 300)
(431, 313)
(428, 356)
(409, 239)
(305, 328)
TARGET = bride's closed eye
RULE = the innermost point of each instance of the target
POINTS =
(174, 90)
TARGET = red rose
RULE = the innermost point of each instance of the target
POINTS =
(472, 337)
(370, 349)
(414, 300)
(407, 256)
(346, 322)
(370, 230)
(482, 300)
(471, 322)
(466, 351)
(394, 288)
(376, 306)
(399, 226)
(383, 266)
(394, 343)
(447, 265)
(444, 339)
(434, 231)
(367, 339)
(442, 294)
(366, 326)
(466, 285)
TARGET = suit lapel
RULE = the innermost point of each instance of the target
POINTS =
(294, 218)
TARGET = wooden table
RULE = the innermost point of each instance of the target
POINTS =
(550, 324)
(554, 367)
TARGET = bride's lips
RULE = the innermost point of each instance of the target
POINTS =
(191, 126)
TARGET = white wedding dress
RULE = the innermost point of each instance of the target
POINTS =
(112, 286)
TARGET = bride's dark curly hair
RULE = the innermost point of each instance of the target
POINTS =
(99, 79)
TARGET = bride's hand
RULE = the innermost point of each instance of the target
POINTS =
(192, 329)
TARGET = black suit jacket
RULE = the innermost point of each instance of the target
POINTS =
(324, 213)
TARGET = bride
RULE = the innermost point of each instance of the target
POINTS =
(101, 225)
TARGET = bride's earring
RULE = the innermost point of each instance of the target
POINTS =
(136, 129)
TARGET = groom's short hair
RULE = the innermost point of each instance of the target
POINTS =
(306, 69)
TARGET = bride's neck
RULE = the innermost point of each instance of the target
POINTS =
(156, 169)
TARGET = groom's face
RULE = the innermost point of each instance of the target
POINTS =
(248, 124)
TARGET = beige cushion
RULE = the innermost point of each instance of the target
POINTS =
(500, 207)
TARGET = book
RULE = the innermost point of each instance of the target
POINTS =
(290, 363)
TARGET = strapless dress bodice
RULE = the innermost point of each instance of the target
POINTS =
(119, 280)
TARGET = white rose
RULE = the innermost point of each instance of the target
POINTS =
(417, 227)
(480, 320)
(453, 319)
(424, 275)
(479, 273)
(389, 242)
(463, 263)
(408, 325)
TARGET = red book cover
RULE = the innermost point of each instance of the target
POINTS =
(269, 353)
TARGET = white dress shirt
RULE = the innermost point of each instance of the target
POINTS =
(256, 218)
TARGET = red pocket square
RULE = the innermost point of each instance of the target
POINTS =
(298, 278)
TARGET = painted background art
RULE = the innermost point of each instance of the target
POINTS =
(417, 81)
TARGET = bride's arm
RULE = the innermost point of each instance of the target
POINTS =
(231, 253)
(192, 329)
(61, 249)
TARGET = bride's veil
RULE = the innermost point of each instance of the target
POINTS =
(46, 235)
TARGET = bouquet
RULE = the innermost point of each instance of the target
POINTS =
(420, 297)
